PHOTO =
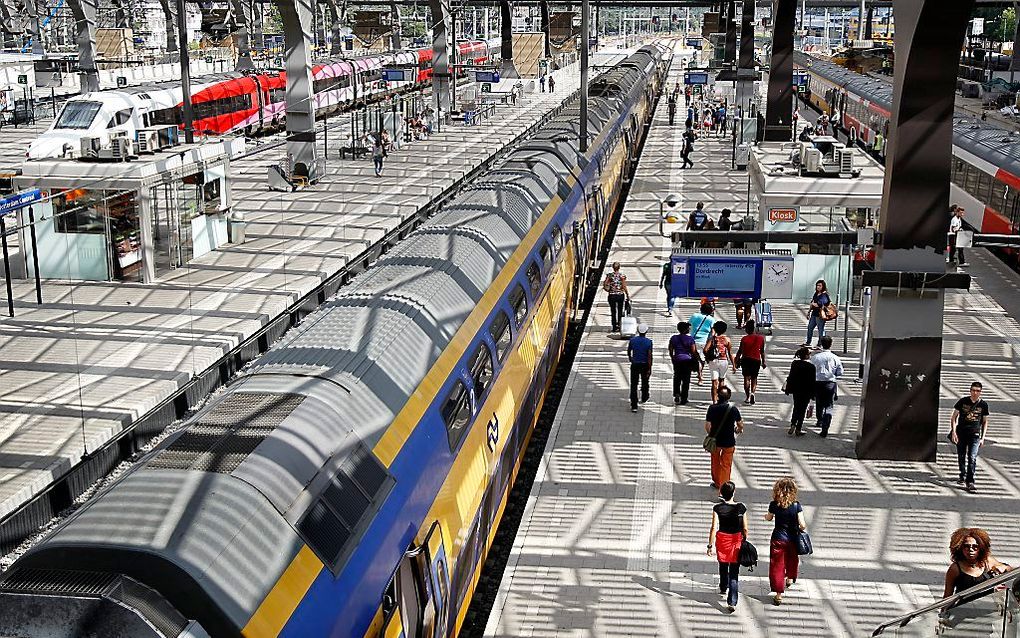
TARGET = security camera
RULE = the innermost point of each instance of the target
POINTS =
(671, 200)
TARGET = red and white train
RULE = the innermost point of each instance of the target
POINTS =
(235, 102)
(985, 177)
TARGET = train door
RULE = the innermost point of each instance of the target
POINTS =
(417, 600)
(580, 259)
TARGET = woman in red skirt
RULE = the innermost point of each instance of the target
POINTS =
(728, 517)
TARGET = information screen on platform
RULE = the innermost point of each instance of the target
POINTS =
(717, 277)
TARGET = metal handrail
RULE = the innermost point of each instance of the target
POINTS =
(968, 595)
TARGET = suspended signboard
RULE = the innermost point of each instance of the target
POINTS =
(696, 77)
(12, 203)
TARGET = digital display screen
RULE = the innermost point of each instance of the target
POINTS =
(696, 78)
(720, 276)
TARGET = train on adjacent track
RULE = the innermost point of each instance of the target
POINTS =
(350, 482)
(985, 177)
(239, 102)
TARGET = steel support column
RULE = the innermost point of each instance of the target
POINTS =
(296, 16)
(860, 21)
(779, 105)
(34, 28)
(585, 39)
(506, 36)
(543, 12)
(170, 13)
(336, 21)
(84, 12)
(442, 27)
(747, 36)
(867, 25)
(730, 25)
(242, 18)
(900, 398)
(395, 34)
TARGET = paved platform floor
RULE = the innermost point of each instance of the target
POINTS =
(612, 542)
(96, 356)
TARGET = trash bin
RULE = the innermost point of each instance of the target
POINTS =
(236, 227)
(743, 155)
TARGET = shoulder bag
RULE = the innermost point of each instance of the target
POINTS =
(804, 544)
(748, 555)
(829, 311)
(710, 443)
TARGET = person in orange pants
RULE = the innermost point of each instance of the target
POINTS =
(723, 423)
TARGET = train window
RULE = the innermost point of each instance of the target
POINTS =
(557, 236)
(998, 195)
(456, 414)
(277, 95)
(546, 253)
(120, 117)
(534, 279)
(166, 117)
(499, 330)
(519, 303)
(78, 114)
(984, 186)
(481, 369)
(971, 178)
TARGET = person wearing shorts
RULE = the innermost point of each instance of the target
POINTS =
(718, 352)
(751, 359)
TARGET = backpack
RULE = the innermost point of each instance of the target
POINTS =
(712, 353)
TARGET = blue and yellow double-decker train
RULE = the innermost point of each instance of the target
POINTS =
(350, 482)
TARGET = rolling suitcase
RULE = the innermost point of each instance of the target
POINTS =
(628, 322)
(763, 316)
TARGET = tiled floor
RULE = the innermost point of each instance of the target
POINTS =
(613, 540)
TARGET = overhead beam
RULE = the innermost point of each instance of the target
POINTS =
(900, 412)
(296, 16)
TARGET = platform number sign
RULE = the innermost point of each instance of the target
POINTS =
(23, 78)
(800, 81)
(486, 87)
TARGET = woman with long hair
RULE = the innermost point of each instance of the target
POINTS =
(819, 300)
(727, 534)
(785, 509)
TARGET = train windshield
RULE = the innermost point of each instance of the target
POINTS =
(78, 114)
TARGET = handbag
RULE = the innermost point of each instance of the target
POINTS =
(710, 443)
(712, 351)
(627, 307)
(748, 555)
(829, 311)
(804, 544)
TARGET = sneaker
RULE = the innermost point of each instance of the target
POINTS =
(633, 409)
(791, 430)
(960, 481)
(971, 488)
(683, 403)
(800, 432)
(964, 263)
(751, 400)
(824, 433)
(730, 608)
(790, 582)
(668, 313)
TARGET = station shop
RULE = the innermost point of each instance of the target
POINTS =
(127, 221)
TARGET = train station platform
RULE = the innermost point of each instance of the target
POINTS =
(612, 540)
(98, 358)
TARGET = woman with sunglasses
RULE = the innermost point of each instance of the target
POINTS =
(973, 563)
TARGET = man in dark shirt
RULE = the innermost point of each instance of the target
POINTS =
(967, 430)
(639, 352)
(724, 421)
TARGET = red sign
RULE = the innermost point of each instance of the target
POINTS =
(782, 215)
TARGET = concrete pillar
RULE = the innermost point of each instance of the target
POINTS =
(900, 400)
(296, 16)
(242, 18)
(84, 12)
(441, 29)
(145, 230)
(506, 50)
(170, 13)
(779, 105)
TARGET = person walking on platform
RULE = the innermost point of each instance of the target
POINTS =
(688, 148)
(689, 124)
(816, 317)
(718, 357)
(616, 285)
(955, 226)
(722, 424)
(967, 427)
(683, 353)
(552, 84)
(800, 383)
(541, 83)
(666, 283)
(639, 353)
(828, 368)
(671, 106)
(788, 514)
(701, 325)
(727, 534)
(751, 359)
(378, 154)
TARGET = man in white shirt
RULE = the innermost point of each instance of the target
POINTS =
(828, 368)
(955, 226)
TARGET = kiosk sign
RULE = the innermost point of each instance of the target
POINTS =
(777, 215)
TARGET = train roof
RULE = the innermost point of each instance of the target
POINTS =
(211, 514)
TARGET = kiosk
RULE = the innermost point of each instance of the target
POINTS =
(127, 221)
